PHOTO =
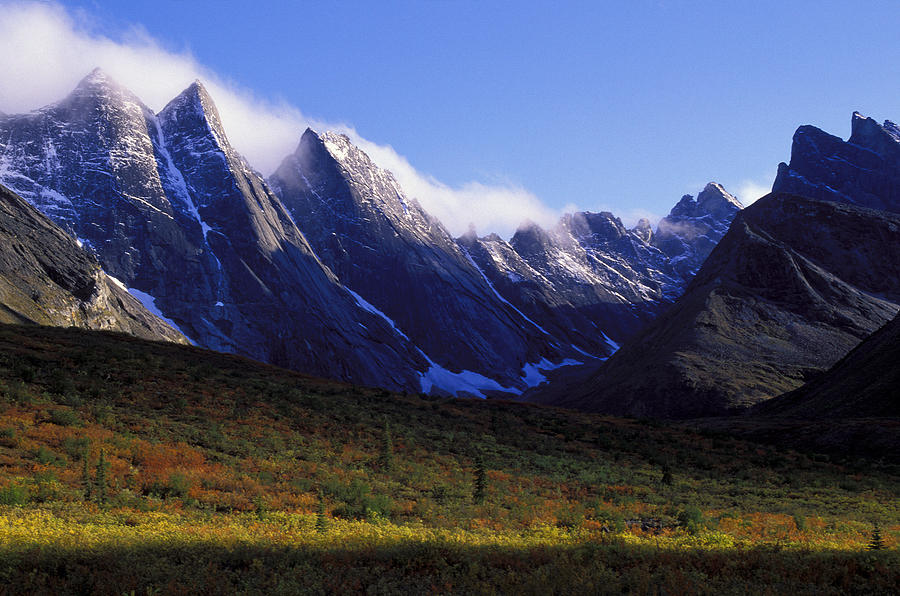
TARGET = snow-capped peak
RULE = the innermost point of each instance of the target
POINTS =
(194, 106)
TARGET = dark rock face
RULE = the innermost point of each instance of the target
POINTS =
(863, 384)
(694, 227)
(387, 249)
(769, 309)
(172, 210)
(47, 279)
(864, 170)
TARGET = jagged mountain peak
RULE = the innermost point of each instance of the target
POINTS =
(342, 149)
(867, 132)
(712, 200)
(589, 227)
(694, 226)
(643, 230)
(863, 170)
(329, 164)
(470, 236)
(195, 107)
(530, 237)
(98, 89)
(338, 144)
(96, 77)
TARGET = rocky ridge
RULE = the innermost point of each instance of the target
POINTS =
(768, 310)
(47, 279)
(594, 282)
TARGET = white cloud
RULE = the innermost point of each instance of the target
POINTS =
(47, 50)
(749, 191)
(491, 207)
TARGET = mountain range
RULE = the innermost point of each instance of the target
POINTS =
(327, 267)
(120, 218)
(801, 277)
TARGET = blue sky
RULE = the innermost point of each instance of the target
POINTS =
(621, 106)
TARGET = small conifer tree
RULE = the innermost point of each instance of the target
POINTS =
(102, 469)
(386, 457)
(667, 474)
(877, 541)
(479, 488)
(321, 519)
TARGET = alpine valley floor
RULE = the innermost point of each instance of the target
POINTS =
(134, 467)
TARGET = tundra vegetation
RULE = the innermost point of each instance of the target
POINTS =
(128, 466)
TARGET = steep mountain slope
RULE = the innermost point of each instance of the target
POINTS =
(174, 212)
(694, 227)
(395, 256)
(533, 294)
(864, 170)
(863, 384)
(591, 280)
(771, 307)
(46, 278)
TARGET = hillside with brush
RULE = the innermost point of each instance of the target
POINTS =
(132, 466)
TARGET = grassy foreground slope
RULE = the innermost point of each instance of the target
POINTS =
(129, 466)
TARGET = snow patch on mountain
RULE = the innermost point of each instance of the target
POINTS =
(176, 178)
(365, 305)
(610, 342)
(496, 293)
(532, 373)
(149, 303)
(464, 382)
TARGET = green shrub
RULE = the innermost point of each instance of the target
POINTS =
(8, 437)
(65, 418)
(14, 494)
(691, 518)
(378, 507)
(177, 485)
(47, 457)
(25, 372)
(75, 447)
(60, 383)
(16, 393)
(612, 519)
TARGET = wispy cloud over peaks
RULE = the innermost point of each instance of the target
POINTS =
(47, 49)
(749, 191)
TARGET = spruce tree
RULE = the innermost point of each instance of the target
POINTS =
(386, 457)
(479, 488)
(102, 469)
(321, 519)
(877, 541)
(667, 474)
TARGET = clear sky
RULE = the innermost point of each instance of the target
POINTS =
(622, 106)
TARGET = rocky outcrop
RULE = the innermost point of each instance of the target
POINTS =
(47, 279)
(864, 170)
(694, 227)
(768, 310)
